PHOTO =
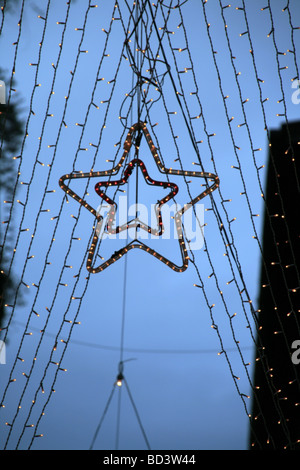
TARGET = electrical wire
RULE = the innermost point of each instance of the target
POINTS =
(142, 22)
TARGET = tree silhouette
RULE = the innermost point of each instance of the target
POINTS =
(11, 130)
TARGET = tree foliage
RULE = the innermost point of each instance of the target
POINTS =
(11, 130)
(8, 5)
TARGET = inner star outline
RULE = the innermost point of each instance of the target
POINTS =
(136, 222)
(139, 126)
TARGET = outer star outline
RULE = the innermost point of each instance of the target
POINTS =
(139, 126)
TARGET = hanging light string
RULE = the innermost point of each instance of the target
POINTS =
(219, 77)
(271, 153)
(219, 290)
(33, 311)
(46, 263)
(15, 56)
(229, 249)
(30, 114)
(11, 316)
(121, 378)
(37, 393)
(266, 369)
(3, 15)
(122, 337)
(280, 69)
(130, 246)
(77, 152)
(138, 44)
(267, 269)
(170, 126)
(256, 236)
(122, 117)
(243, 104)
(24, 204)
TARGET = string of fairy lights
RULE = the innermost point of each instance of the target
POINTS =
(149, 26)
(46, 262)
(252, 216)
(235, 146)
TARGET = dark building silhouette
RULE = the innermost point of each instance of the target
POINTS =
(275, 420)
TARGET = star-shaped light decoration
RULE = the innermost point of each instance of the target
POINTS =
(138, 127)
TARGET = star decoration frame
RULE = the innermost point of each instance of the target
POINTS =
(137, 128)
